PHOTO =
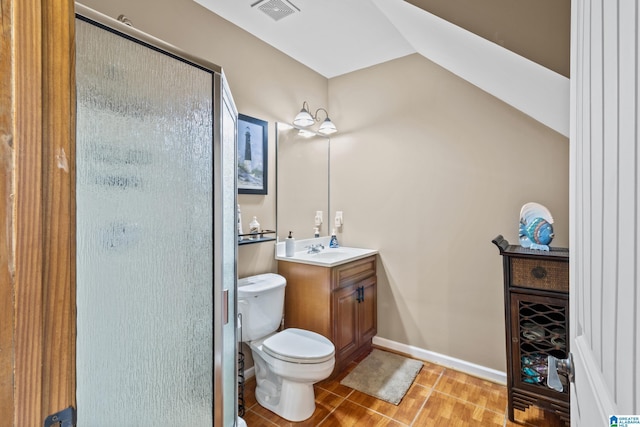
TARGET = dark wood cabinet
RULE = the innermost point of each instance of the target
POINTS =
(338, 302)
(536, 296)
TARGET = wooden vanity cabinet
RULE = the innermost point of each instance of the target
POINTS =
(355, 317)
(337, 302)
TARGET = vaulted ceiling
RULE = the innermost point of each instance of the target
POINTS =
(335, 37)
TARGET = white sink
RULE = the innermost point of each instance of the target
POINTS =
(327, 257)
(333, 254)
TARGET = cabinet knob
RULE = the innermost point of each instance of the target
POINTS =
(539, 272)
(555, 366)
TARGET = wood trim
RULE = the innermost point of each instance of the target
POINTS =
(59, 205)
(6, 207)
(28, 212)
(42, 220)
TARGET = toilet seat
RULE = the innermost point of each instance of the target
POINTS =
(299, 346)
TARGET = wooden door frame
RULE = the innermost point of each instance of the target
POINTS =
(6, 202)
(37, 283)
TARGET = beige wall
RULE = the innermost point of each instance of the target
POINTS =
(429, 169)
(426, 167)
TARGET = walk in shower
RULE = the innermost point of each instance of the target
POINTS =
(156, 244)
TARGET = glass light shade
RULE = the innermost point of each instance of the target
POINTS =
(305, 133)
(327, 127)
(303, 118)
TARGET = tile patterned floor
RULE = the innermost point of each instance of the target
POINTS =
(438, 397)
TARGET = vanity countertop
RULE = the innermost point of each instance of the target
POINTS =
(326, 257)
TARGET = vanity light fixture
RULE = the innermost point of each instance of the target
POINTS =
(304, 119)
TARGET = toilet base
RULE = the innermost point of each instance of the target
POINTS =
(296, 401)
(284, 387)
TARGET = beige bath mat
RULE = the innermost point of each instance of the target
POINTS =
(384, 375)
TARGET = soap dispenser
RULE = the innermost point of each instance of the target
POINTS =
(254, 229)
(333, 243)
(316, 232)
(289, 245)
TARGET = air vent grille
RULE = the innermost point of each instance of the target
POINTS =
(277, 9)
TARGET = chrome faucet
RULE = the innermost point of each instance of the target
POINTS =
(314, 249)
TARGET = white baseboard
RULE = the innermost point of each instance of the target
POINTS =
(441, 359)
(430, 356)
(249, 372)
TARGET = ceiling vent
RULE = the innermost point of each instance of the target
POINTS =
(276, 9)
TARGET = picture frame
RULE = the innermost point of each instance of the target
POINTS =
(252, 155)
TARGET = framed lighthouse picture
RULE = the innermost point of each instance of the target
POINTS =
(252, 155)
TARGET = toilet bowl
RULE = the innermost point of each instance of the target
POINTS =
(287, 363)
(285, 377)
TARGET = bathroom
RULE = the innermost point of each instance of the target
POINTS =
(422, 168)
(415, 167)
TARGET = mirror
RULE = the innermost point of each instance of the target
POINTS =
(302, 182)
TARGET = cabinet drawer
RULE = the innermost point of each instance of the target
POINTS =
(540, 274)
(354, 271)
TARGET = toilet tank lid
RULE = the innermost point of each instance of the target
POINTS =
(260, 283)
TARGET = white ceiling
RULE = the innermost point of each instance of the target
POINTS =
(335, 37)
(332, 37)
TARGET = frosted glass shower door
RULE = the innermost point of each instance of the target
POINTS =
(149, 220)
(227, 187)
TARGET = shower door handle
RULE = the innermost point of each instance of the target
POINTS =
(225, 306)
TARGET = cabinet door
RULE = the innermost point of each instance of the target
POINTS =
(367, 310)
(538, 329)
(345, 303)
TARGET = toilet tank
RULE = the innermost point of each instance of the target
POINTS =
(261, 304)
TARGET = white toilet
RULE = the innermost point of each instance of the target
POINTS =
(287, 363)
